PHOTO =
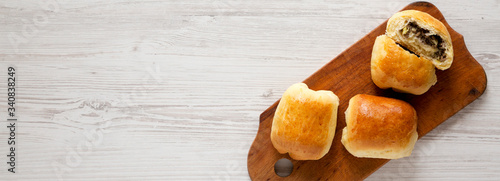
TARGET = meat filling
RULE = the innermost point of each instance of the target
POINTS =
(412, 30)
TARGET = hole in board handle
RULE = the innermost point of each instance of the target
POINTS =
(283, 167)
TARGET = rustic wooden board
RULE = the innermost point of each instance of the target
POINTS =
(349, 74)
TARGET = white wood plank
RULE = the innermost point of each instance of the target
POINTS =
(173, 89)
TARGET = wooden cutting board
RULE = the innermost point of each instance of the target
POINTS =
(349, 74)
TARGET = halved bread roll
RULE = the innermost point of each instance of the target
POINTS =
(394, 67)
(379, 127)
(304, 122)
(422, 34)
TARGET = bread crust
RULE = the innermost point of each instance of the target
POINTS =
(379, 127)
(394, 67)
(399, 20)
(304, 122)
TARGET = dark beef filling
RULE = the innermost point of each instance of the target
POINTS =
(434, 41)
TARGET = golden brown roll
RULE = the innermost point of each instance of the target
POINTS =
(394, 67)
(304, 122)
(423, 34)
(379, 127)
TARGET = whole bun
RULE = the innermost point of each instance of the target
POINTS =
(379, 127)
(304, 122)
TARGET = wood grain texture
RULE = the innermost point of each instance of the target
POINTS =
(182, 84)
(349, 74)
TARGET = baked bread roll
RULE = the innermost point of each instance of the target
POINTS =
(304, 122)
(423, 34)
(394, 67)
(379, 127)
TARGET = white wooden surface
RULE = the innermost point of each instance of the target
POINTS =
(172, 90)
